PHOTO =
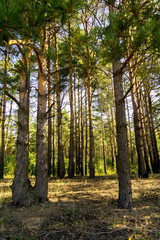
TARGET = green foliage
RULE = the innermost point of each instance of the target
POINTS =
(9, 164)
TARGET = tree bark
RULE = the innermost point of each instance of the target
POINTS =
(137, 127)
(54, 133)
(21, 188)
(71, 148)
(91, 136)
(82, 137)
(61, 166)
(41, 186)
(49, 107)
(123, 166)
(103, 137)
(86, 131)
(8, 125)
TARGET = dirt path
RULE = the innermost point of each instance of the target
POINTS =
(83, 208)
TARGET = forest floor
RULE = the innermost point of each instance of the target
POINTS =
(84, 209)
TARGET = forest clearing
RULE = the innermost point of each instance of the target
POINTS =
(84, 208)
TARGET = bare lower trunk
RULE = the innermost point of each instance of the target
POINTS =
(21, 188)
(123, 166)
(41, 187)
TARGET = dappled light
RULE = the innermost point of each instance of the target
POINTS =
(83, 208)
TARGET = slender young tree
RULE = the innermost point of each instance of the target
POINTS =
(49, 101)
(61, 166)
(72, 144)
(91, 136)
(3, 118)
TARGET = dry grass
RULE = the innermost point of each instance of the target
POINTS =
(83, 208)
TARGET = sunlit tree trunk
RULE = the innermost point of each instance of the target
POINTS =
(75, 119)
(8, 125)
(86, 131)
(111, 139)
(139, 97)
(103, 137)
(91, 136)
(82, 136)
(79, 132)
(130, 134)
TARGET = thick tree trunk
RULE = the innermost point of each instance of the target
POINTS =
(21, 188)
(3, 119)
(71, 148)
(41, 186)
(123, 166)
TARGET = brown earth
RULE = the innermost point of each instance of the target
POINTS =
(84, 209)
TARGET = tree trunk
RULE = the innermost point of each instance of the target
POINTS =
(91, 136)
(61, 166)
(54, 134)
(8, 125)
(111, 139)
(21, 188)
(123, 166)
(41, 186)
(82, 137)
(122, 160)
(75, 117)
(103, 137)
(86, 130)
(139, 97)
(71, 148)
(3, 119)
(78, 163)
(130, 135)
(137, 128)
(49, 107)
(153, 138)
